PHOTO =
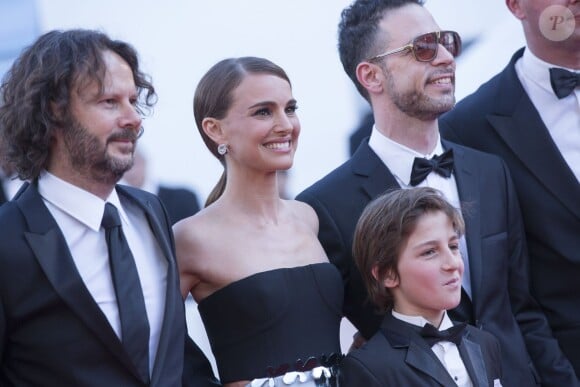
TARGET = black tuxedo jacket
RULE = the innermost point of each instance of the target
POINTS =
(500, 118)
(398, 356)
(497, 256)
(3, 198)
(52, 333)
(180, 203)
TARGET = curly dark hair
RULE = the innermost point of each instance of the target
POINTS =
(35, 92)
(357, 33)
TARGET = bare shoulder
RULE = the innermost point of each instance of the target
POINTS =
(193, 236)
(188, 230)
(196, 240)
(304, 213)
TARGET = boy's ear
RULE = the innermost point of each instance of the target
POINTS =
(390, 280)
(213, 129)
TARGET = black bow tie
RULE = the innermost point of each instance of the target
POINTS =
(433, 335)
(442, 165)
(563, 81)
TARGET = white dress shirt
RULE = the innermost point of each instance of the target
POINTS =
(446, 351)
(561, 116)
(78, 214)
(399, 159)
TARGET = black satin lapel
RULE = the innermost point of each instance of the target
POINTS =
(378, 178)
(469, 191)
(56, 262)
(379, 181)
(172, 290)
(473, 359)
(419, 355)
(424, 360)
(155, 222)
(172, 294)
(53, 255)
(525, 133)
(3, 196)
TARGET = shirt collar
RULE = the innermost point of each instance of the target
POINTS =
(420, 321)
(537, 70)
(76, 202)
(398, 157)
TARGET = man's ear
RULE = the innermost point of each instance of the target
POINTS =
(213, 129)
(391, 280)
(370, 76)
(58, 116)
(56, 112)
(515, 7)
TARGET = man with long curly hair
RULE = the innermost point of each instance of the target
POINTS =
(85, 301)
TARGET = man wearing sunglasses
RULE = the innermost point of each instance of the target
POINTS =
(529, 114)
(403, 64)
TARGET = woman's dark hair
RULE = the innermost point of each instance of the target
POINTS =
(36, 90)
(213, 98)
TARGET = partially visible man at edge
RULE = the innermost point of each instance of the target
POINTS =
(529, 114)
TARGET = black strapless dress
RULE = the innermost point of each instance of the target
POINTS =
(274, 322)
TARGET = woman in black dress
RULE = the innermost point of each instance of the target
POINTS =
(269, 299)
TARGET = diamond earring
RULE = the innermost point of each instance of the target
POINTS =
(222, 149)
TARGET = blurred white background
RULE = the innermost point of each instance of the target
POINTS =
(179, 40)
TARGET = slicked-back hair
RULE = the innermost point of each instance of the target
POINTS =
(357, 33)
(383, 230)
(36, 92)
(214, 94)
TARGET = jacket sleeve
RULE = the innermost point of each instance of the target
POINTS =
(553, 367)
(197, 371)
(353, 373)
(2, 330)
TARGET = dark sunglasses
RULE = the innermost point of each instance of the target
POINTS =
(424, 47)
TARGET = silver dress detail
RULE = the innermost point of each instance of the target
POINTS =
(316, 377)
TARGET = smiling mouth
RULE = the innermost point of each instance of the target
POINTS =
(442, 81)
(278, 145)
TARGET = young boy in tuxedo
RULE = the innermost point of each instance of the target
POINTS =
(406, 246)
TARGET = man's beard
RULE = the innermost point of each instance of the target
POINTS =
(90, 157)
(418, 105)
